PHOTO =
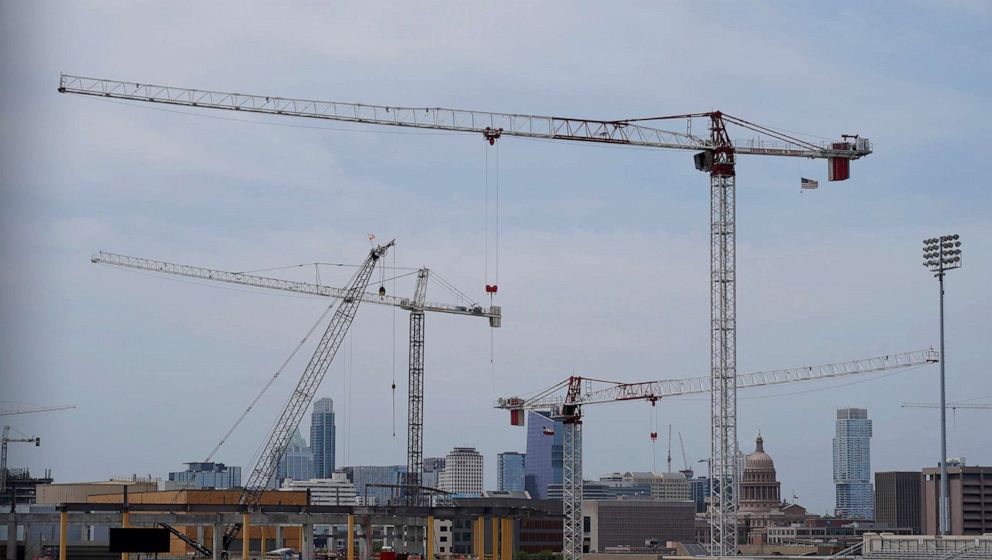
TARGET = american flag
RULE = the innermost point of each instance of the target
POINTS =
(809, 183)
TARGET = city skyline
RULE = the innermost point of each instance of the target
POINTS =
(824, 275)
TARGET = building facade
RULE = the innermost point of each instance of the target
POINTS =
(510, 471)
(633, 523)
(203, 476)
(323, 438)
(852, 464)
(663, 486)
(365, 477)
(334, 491)
(432, 471)
(296, 462)
(971, 499)
(544, 453)
(897, 499)
(462, 472)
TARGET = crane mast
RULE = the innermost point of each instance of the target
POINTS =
(716, 155)
(306, 388)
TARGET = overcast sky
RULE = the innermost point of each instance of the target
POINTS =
(603, 251)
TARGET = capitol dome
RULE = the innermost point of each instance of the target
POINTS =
(760, 489)
(759, 460)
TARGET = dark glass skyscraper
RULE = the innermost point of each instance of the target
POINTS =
(544, 453)
(510, 471)
(322, 438)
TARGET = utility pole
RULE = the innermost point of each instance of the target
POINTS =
(942, 254)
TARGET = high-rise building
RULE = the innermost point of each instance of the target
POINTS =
(296, 462)
(544, 453)
(365, 477)
(510, 471)
(970, 491)
(432, 471)
(322, 438)
(203, 475)
(897, 499)
(462, 472)
(852, 464)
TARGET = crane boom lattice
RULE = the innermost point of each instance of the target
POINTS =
(306, 388)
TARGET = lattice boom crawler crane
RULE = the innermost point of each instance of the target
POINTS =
(566, 399)
(716, 155)
(417, 306)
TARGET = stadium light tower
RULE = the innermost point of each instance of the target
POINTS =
(941, 254)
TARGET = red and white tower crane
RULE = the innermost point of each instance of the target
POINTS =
(716, 154)
(565, 400)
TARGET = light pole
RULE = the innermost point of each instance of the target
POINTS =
(941, 254)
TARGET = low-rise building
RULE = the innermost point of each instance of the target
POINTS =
(971, 499)
(202, 475)
(334, 491)
(633, 523)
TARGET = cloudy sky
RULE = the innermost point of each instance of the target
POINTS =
(603, 251)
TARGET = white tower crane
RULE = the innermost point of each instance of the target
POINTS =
(5, 436)
(417, 306)
(952, 406)
(566, 399)
(4, 440)
(716, 156)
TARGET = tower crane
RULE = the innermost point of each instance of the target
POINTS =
(716, 155)
(565, 400)
(4, 440)
(952, 406)
(417, 306)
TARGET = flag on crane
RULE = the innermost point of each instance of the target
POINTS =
(808, 183)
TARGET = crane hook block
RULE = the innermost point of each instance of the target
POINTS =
(654, 436)
(382, 291)
(492, 134)
(490, 288)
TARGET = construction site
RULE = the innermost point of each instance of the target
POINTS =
(234, 380)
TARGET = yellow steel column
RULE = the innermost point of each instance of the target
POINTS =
(495, 538)
(63, 535)
(245, 535)
(125, 522)
(480, 537)
(429, 545)
(507, 550)
(351, 536)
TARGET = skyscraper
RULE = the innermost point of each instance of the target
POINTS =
(297, 462)
(322, 438)
(462, 472)
(544, 453)
(510, 471)
(852, 464)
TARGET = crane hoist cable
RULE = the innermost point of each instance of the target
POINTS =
(394, 351)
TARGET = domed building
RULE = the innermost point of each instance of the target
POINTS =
(760, 505)
(760, 490)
